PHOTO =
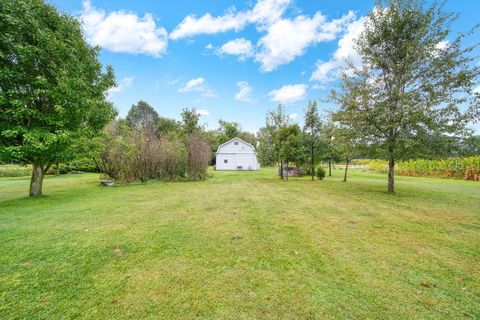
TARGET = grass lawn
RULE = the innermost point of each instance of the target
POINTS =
(241, 246)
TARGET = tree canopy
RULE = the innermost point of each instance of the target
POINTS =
(142, 116)
(404, 100)
(52, 86)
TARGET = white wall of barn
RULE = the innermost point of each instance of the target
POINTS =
(236, 155)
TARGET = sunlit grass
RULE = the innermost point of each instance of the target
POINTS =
(242, 245)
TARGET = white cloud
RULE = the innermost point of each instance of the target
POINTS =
(329, 70)
(240, 47)
(124, 83)
(244, 92)
(198, 85)
(287, 39)
(477, 90)
(121, 31)
(209, 46)
(293, 116)
(289, 93)
(263, 13)
(203, 112)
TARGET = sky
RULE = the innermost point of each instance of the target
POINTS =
(231, 60)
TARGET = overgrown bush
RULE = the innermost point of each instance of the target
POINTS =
(320, 172)
(173, 159)
(127, 155)
(199, 152)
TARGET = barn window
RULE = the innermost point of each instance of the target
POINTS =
(239, 167)
(236, 143)
(225, 161)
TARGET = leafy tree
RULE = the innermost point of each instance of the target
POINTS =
(404, 100)
(52, 87)
(291, 141)
(142, 116)
(312, 130)
(329, 152)
(190, 121)
(229, 130)
(265, 148)
(275, 121)
(167, 126)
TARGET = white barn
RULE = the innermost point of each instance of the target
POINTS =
(236, 154)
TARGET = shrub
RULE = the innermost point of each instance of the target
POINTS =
(199, 152)
(173, 158)
(320, 172)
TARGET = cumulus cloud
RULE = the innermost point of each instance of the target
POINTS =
(203, 112)
(121, 31)
(124, 83)
(293, 116)
(244, 92)
(289, 93)
(198, 85)
(239, 47)
(327, 71)
(263, 13)
(477, 90)
(287, 39)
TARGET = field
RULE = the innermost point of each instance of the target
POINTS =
(241, 246)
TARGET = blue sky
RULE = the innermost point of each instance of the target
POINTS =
(229, 59)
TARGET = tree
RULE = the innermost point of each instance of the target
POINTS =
(167, 126)
(265, 148)
(276, 120)
(312, 129)
(291, 150)
(190, 121)
(229, 130)
(330, 152)
(52, 87)
(142, 116)
(404, 100)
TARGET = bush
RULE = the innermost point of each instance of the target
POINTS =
(127, 156)
(199, 152)
(320, 172)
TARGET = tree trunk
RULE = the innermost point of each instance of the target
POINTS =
(287, 171)
(313, 162)
(391, 174)
(346, 169)
(36, 183)
(281, 169)
(329, 168)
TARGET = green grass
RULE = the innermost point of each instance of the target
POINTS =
(241, 246)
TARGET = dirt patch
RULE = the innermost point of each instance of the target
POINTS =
(118, 251)
(26, 263)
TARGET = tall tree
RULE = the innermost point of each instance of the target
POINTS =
(312, 129)
(404, 100)
(142, 116)
(190, 121)
(229, 130)
(52, 87)
(291, 141)
(167, 126)
(276, 120)
(265, 148)
(330, 152)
